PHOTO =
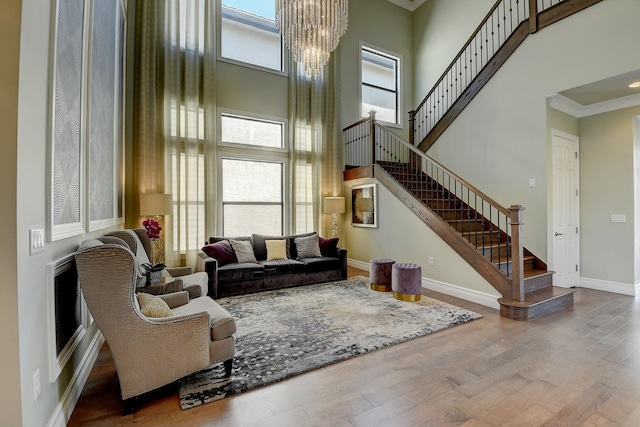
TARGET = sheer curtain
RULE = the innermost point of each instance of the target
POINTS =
(316, 144)
(177, 113)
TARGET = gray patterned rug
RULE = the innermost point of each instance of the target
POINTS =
(288, 332)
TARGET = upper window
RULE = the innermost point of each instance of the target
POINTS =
(380, 85)
(251, 131)
(249, 34)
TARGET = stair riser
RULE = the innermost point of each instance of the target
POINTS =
(468, 226)
(532, 284)
(481, 239)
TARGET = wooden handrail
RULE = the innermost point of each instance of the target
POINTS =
(359, 122)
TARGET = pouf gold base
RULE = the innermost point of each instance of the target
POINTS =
(379, 288)
(406, 297)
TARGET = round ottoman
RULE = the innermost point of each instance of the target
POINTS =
(380, 274)
(406, 280)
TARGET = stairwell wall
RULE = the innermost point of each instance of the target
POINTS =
(501, 139)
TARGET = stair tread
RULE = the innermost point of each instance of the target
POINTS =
(535, 273)
(538, 297)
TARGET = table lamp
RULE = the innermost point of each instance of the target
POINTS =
(334, 206)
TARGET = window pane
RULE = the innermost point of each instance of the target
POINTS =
(379, 82)
(244, 220)
(251, 35)
(240, 130)
(251, 181)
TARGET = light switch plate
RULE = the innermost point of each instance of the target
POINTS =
(532, 182)
(36, 240)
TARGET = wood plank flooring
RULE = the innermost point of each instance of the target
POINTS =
(577, 367)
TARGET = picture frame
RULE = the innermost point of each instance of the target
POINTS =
(364, 206)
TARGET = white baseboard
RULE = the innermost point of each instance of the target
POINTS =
(477, 297)
(615, 287)
(62, 413)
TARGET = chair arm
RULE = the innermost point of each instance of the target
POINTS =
(210, 266)
(175, 299)
(179, 271)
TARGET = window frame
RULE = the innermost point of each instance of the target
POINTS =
(247, 152)
(399, 123)
(283, 50)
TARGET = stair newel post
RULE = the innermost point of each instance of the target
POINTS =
(372, 137)
(517, 252)
(412, 128)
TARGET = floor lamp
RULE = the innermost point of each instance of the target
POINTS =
(156, 206)
(334, 206)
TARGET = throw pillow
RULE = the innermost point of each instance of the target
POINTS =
(308, 247)
(259, 247)
(328, 247)
(221, 251)
(292, 253)
(276, 249)
(152, 306)
(243, 250)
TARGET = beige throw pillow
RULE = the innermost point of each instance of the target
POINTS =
(276, 249)
(152, 306)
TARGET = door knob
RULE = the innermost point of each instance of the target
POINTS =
(558, 234)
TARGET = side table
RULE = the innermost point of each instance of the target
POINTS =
(167, 286)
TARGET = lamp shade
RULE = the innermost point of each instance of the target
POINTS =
(155, 204)
(334, 205)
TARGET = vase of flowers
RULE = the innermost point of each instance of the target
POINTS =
(153, 228)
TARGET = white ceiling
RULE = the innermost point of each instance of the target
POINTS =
(410, 5)
(599, 97)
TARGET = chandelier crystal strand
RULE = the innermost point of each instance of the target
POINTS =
(311, 29)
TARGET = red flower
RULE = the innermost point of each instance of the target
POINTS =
(153, 228)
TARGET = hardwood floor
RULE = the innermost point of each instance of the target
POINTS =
(576, 367)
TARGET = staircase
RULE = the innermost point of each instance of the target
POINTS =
(485, 234)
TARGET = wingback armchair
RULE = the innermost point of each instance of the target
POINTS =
(149, 352)
(195, 283)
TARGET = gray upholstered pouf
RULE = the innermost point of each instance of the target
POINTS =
(380, 274)
(406, 281)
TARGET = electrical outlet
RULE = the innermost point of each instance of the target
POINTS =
(620, 218)
(430, 260)
(36, 384)
(36, 240)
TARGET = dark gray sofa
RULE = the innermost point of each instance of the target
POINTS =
(233, 278)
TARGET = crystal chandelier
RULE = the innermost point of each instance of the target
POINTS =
(312, 29)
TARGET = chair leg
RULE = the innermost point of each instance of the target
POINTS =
(130, 405)
(228, 364)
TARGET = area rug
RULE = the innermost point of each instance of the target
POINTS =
(287, 332)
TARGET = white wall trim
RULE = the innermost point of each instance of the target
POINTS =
(568, 106)
(63, 410)
(608, 286)
(410, 5)
(477, 297)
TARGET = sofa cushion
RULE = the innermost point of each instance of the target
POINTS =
(243, 250)
(237, 271)
(221, 251)
(281, 266)
(222, 324)
(308, 247)
(152, 306)
(216, 239)
(328, 247)
(314, 265)
(276, 249)
(292, 253)
(259, 244)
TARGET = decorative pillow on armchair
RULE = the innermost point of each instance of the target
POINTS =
(222, 251)
(308, 247)
(243, 250)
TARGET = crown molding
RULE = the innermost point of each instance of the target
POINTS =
(568, 106)
(410, 5)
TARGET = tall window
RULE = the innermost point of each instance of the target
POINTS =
(248, 34)
(380, 84)
(252, 174)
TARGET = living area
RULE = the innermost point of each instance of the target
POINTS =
(265, 152)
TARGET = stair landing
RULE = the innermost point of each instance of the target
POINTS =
(537, 303)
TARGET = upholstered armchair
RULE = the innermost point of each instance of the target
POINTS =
(194, 283)
(149, 352)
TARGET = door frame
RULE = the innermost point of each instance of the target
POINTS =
(555, 133)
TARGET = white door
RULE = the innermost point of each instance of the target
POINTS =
(566, 215)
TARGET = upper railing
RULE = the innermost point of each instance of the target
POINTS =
(491, 228)
(492, 33)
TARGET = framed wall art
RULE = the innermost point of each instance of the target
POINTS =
(364, 209)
